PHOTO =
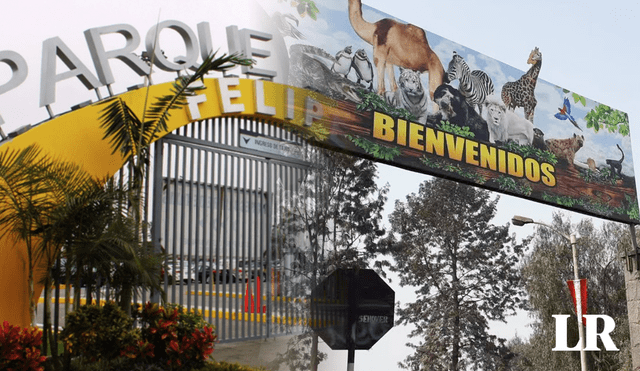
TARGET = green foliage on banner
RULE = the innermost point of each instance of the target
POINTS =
(532, 152)
(589, 176)
(600, 208)
(602, 176)
(371, 101)
(630, 208)
(561, 200)
(605, 117)
(579, 98)
(462, 131)
(374, 149)
(509, 184)
(610, 176)
(456, 169)
(576, 97)
(306, 7)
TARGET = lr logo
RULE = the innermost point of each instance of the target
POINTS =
(592, 333)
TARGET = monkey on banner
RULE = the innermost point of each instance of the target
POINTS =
(578, 289)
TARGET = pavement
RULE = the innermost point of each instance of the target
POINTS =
(254, 353)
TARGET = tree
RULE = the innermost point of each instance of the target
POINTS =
(99, 237)
(91, 229)
(337, 212)
(50, 205)
(35, 191)
(345, 223)
(132, 135)
(33, 187)
(545, 272)
(465, 271)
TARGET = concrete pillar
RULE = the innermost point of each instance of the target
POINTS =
(632, 283)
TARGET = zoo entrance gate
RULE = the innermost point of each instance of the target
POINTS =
(218, 205)
(213, 207)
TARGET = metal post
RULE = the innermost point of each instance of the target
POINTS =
(520, 221)
(156, 230)
(583, 354)
(314, 350)
(353, 294)
(351, 357)
(269, 247)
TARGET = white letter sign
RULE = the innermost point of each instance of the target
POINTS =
(52, 48)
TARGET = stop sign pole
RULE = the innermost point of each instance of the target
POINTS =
(351, 325)
(352, 309)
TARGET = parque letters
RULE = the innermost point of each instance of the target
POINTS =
(240, 41)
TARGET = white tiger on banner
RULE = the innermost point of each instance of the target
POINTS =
(410, 95)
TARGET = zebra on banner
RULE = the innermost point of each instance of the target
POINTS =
(475, 85)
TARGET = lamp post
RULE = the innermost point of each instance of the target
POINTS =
(520, 221)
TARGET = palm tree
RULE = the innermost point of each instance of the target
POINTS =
(48, 205)
(64, 218)
(132, 135)
(32, 187)
(99, 236)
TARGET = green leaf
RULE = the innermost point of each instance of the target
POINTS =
(576, 98)
(312, 14)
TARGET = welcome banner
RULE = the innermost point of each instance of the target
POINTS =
(354, 79)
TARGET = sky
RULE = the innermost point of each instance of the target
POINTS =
(589, 47)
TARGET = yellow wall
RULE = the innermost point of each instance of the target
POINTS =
(76, 137)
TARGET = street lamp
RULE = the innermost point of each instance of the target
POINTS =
(520, 221)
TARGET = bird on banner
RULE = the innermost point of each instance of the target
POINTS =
(565, 113)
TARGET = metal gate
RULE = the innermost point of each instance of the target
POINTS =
(219, 212)
(217, 206)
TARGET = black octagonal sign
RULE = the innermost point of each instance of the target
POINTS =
(352, 308)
